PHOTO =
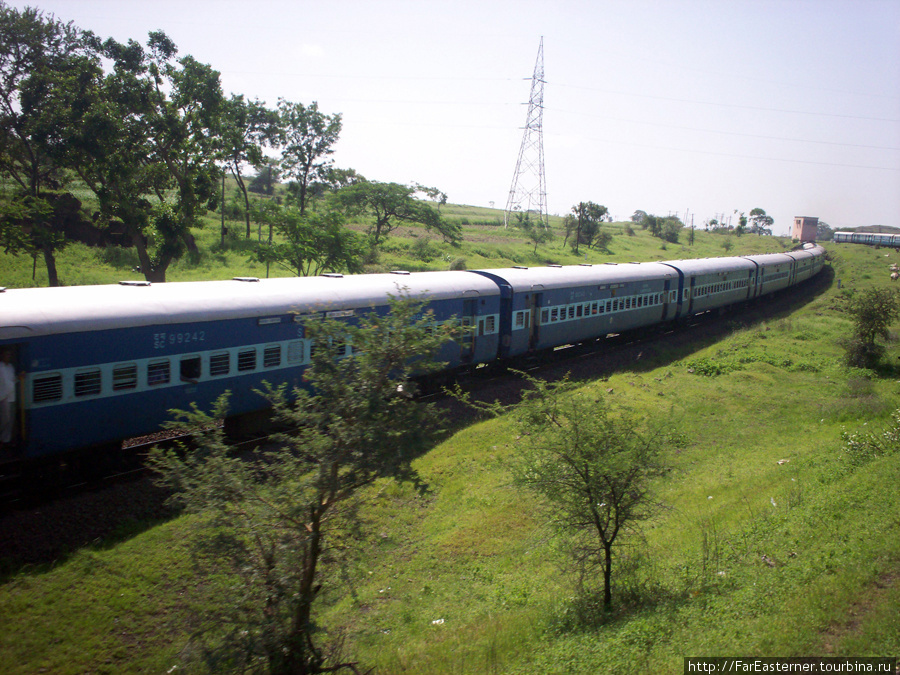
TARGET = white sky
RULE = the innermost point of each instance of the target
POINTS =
(708, 105)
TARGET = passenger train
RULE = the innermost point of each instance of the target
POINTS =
(870, 238)
(103, 363)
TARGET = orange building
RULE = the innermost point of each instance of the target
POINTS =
(804, 228)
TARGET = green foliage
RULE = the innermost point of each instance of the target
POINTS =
(309, 244)
(861, 447)
(392, 204)
(274, 521)
(591, 461)
(872, 311)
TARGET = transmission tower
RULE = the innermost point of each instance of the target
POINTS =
(528, 193)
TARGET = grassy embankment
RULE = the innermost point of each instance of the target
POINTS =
(467, 578)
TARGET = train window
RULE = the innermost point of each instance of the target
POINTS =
(47, 388)
(520, 319)
(489, 323)
(295, 352)
(544, 314)
(579, 311)
(219, 364)
(158, 373)
(272, 356)
(554, 314)
(87, 383)
(247, 360)
(125, 377)
(571, 311)
(190, 369)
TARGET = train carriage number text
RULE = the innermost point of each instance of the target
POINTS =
(163, 340)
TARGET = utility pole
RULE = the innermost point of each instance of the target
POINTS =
(528, 193)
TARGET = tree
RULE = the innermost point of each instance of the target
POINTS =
(666, 228)
(248, 127)
(39, 56)
(534, 231)
(873, 311)
(824, 231)
(638, 217)
(274, 521)
(308, 138)
(588, 217)
(391, 205)
(591, 463)
(267, 176)
(147, 142)
(760, 223)
(310, 244)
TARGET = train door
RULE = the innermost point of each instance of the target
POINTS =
(534, 310)
(467, 320)
(665, 295)
(690, 296)
(13, 429)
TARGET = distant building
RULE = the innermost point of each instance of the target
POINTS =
(804, 228)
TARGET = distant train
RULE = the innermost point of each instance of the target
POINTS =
(870, 238)
(104, 363)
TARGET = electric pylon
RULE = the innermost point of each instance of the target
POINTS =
(528, 193)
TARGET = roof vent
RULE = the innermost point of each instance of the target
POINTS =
(247, 279)
(404, 272)
(519, 267)
(585, 264)
(333, 275)
(134, 283)
(554, 265)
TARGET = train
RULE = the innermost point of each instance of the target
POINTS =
(869, 238)
(99, 364)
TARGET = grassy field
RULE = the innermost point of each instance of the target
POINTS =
(769, 541)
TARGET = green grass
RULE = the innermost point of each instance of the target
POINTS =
(468, 577)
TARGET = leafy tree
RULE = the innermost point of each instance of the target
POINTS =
(278, 522)
(392, 205)
(309, 244)
(638, 217)
(666, 228)
(39, 56)
(267, 176)
(760, 222)
(591, 462)
(533, 230)
(248, 127)
(308, 138)
(147, 142)
(588, 217)
(824, 231)
(873, 311)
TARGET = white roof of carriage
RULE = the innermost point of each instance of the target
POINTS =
(45, 311)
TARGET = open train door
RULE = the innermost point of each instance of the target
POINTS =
(534, 311)
(13, 416)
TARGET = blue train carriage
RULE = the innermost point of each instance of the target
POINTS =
(545, 307)
(103, 363)
(808, 262)
(774, 272)
(710, 283)
(868, 238)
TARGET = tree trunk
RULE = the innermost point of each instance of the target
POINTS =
(50, 262)
(607, 577)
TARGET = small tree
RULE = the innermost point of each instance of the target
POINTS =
(873, 311)
(276, 520)
(308, 244)
(591, 462)
(533, 230)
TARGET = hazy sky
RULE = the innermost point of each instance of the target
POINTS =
(788, 105)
